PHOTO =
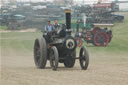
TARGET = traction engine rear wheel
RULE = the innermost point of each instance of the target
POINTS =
(40, 53)
(95, 30)
(101, 39)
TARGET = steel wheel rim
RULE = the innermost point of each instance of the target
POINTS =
(37, 53)
(83, 58)
(52, 58)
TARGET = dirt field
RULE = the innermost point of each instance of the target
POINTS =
(20, 70)
(108, 65)
(18, 67)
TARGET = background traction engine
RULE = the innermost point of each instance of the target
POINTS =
(97, 36)
(59, 47)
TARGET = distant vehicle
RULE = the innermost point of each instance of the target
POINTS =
(18, 17)
(100, 12)
(117, 17)
(9, 16)
(106, 6)
(97, 34)
(13, 21)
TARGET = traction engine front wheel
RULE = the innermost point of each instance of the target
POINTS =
(84, 58)
(54, 58)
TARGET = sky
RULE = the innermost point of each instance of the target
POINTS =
(122, 6)
(74, 0)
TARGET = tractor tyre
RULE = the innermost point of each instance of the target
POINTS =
(40, 52)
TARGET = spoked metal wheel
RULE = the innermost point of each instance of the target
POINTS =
(54, 58)
(84, 58)
(101, 39)
(40, 53)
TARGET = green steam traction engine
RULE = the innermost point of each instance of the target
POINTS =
(59, 47)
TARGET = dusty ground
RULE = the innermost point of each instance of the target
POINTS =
(106, 68)
(19, 69)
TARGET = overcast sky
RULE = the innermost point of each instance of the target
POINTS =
(123, 5)
(52, 0)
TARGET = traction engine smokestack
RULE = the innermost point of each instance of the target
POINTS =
(68, 21)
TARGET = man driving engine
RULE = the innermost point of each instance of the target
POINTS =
(49, 27)
(50, 31)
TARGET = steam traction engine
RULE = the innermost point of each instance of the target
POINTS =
(59, 47)
(96, 35)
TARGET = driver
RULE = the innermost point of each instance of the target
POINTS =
(50, 31)
(49, 27)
